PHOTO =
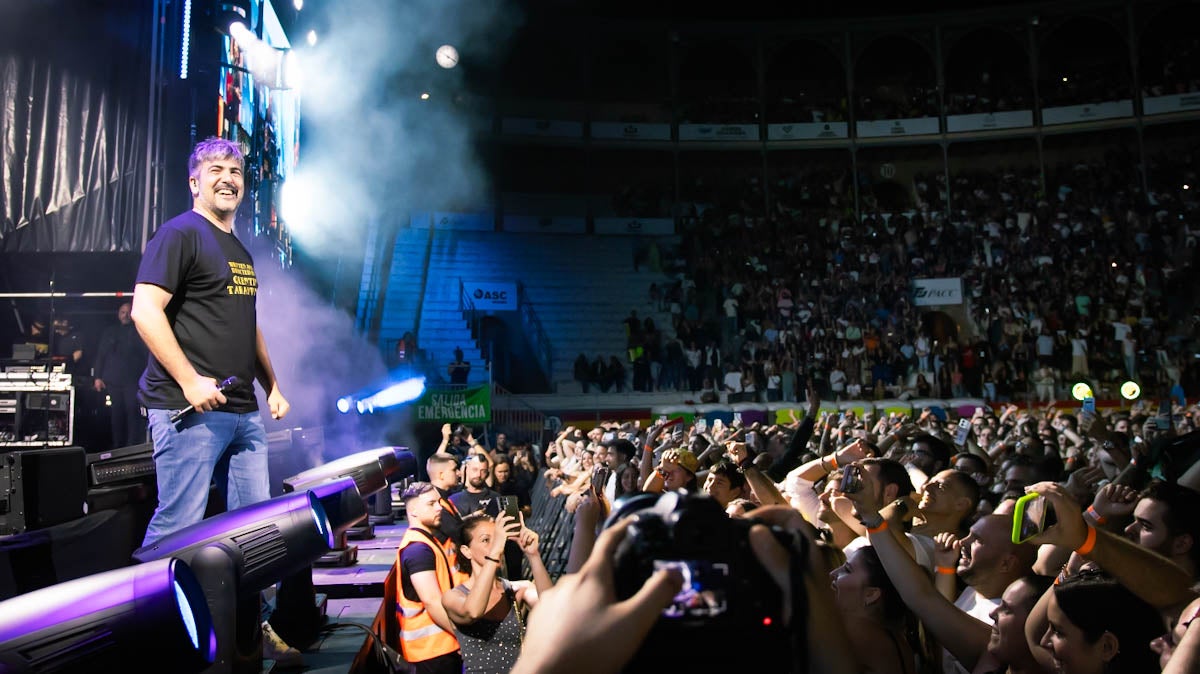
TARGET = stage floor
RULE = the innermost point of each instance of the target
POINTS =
(354, 595)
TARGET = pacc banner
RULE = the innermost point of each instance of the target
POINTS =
(722, 132)
(937, 291)
(468, 405)
(492, 295)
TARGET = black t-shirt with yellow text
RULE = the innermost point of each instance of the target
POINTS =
(210, 275)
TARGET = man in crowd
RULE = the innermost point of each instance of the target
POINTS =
(120, 359)
(443, 475)
(476, 495)
(425, 571)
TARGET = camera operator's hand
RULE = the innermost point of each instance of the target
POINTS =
(867, 500)
(579, 626)
(1071, 529)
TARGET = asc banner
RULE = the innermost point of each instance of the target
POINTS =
(468, 405)
(492, 295)
(937, 291)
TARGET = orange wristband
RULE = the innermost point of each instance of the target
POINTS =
(1088, 543)
(1100, 519)
(946, 570)
(833, 462)
(882, 527)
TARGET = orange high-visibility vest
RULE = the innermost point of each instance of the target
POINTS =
(422, 639)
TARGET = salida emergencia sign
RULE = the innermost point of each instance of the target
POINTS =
(468, 405)
(492, 296)
(937, 291)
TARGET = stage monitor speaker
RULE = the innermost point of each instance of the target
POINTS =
(41, 487)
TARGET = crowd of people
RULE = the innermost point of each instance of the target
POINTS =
(909, 524)
(1084, 280)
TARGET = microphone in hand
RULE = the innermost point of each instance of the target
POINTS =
(225, 387)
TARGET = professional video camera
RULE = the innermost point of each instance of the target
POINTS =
(727, 600)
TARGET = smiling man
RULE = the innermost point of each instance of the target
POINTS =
(194, 307)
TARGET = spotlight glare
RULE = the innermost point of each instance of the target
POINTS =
(343, 405)
(312, 37)
(1187, 186)
(1064, 78)
(396, 394)
(299, 4)
(1130, 390)
(1081, 390)
(424, 95)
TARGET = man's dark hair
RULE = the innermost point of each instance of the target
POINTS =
(967, 486)
(892, 472)
(415, 490)
(1183, 506)
(726, 469)
(937, 447)
(623, 447)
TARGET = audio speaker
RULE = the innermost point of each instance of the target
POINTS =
(41, 487)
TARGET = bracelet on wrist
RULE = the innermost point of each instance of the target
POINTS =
(1088, 543)
(946, 570)
(878, 528)
(1099, 519)
(491, 559)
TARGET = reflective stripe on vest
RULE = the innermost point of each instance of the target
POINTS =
(422, 639)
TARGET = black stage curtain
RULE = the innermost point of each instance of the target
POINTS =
(73, 107)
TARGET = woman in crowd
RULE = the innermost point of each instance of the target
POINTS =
(875, 616)
(1095, 625)
(486, 608)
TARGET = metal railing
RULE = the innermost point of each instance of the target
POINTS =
(542, 348)
(554, 525)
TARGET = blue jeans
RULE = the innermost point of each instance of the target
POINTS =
(228, 448)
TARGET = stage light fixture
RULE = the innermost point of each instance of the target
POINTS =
(312, 38)
(298, 4)
(1130, 390)
(231, 13)
(149, 613)
(343, 405)
(236, 555)
(1081, 390)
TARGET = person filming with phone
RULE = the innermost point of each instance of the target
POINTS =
(486, 608)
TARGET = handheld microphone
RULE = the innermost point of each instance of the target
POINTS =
(226, 386)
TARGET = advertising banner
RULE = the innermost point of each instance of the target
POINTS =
(492, 295)
(635, 226)
(1014, 119)
(549, 128)
(937, 291)
(880, 128)
(631, 131)
(808, 131)
(718, 132)
(1087, 113)
(468, 405)
(476, 222)
(1175, 103)
(547, 224)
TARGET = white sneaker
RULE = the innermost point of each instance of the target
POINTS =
(274, 648)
